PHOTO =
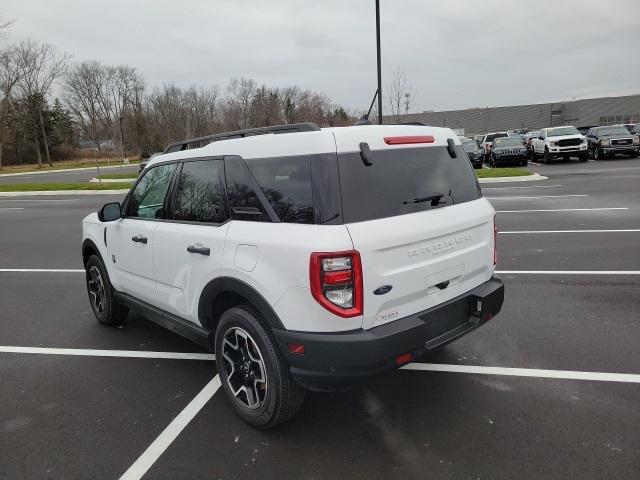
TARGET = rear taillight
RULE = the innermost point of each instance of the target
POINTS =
(495, 242)
(336, 282)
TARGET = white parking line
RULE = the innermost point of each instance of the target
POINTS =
(526, 372)
(534, 197)
(11, 208)
(41, 270)
(569, 272)
(563, 210)
(570, 231)
(532, 186)
(91, 352)
(5, 199)
(169, 434)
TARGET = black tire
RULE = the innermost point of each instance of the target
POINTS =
(584, 157)
(597, 154)
(532, 155)
(276, 396)
(633, 155)
(547, 157)
(104, 305)
(524, 162)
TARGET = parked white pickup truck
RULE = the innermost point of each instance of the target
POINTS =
(557, 142)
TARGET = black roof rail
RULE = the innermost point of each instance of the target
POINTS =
(249, 132)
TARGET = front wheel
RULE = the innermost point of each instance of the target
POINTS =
(547, 156)
(597, 154)
(584, 157)
(105, 307)
(254, 376)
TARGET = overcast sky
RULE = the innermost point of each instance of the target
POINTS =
(457, 54)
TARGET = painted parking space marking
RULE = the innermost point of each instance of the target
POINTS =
(568, 272)
(41, 270)
(11, 208)
(92, 352)
(534, 197)
(169, 434)
(564, 210)
(56, 200)
(532, 186)
(568, 231)
(525, 372)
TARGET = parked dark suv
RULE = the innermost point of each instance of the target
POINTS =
(606, 142)
(474, 152)
(508, 150)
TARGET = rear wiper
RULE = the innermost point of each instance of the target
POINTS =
(434, 199)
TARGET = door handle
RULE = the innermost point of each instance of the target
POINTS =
(139, 239)
(199, 249)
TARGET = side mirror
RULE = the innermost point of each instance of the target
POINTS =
(110, 212)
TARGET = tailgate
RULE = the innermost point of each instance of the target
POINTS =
(426, 258)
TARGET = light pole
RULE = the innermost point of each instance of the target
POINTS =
(379, 62)
(124, 155)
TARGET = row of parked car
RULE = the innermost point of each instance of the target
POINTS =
(547, 144)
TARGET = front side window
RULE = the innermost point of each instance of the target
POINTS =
(200, 193)
(147, 198)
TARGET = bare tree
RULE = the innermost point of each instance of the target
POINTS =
(241, 92)
(117, 96)
(399, 93)
(4, 24)
(82, 85)
(10, 75)
(40, 67)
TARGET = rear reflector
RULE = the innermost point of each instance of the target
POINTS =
(404, 358)
(296, 348)
(409, 139)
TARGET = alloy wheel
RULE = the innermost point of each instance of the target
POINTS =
(96, 289)
(245, 368)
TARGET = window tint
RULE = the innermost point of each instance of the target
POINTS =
(243, 200)
(200, 193)
(403, 181)
(286, 182)
(147, 198)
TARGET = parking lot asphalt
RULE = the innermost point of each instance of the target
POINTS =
(84, 416)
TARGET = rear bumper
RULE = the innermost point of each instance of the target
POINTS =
(335, 360)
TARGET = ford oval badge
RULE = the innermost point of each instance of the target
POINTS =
(382, 290)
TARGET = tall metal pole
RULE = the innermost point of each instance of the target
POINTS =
(379, 62)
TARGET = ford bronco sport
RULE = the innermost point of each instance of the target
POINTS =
(305, 258)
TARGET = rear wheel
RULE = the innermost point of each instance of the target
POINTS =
(254, 376)
(105, 307)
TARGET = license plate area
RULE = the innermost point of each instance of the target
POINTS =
(449, 321)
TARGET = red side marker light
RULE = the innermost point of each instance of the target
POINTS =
(404, 358)
(409, 139)
(296, 348)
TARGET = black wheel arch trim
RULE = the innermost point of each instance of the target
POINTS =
(88, 243)
(222, 285)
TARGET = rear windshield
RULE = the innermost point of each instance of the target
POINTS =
(402, 181)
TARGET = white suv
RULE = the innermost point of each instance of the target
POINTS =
(306, 260)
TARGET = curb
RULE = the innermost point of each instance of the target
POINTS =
(112, 180)
(527, 178)
(63, 192)
(79, 169)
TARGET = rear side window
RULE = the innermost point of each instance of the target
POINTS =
(403, 181)
(243, 200)
(286, 182)
(200, 193)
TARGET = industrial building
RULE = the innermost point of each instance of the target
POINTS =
(585, 112)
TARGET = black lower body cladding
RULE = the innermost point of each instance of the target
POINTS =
(337, 360)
